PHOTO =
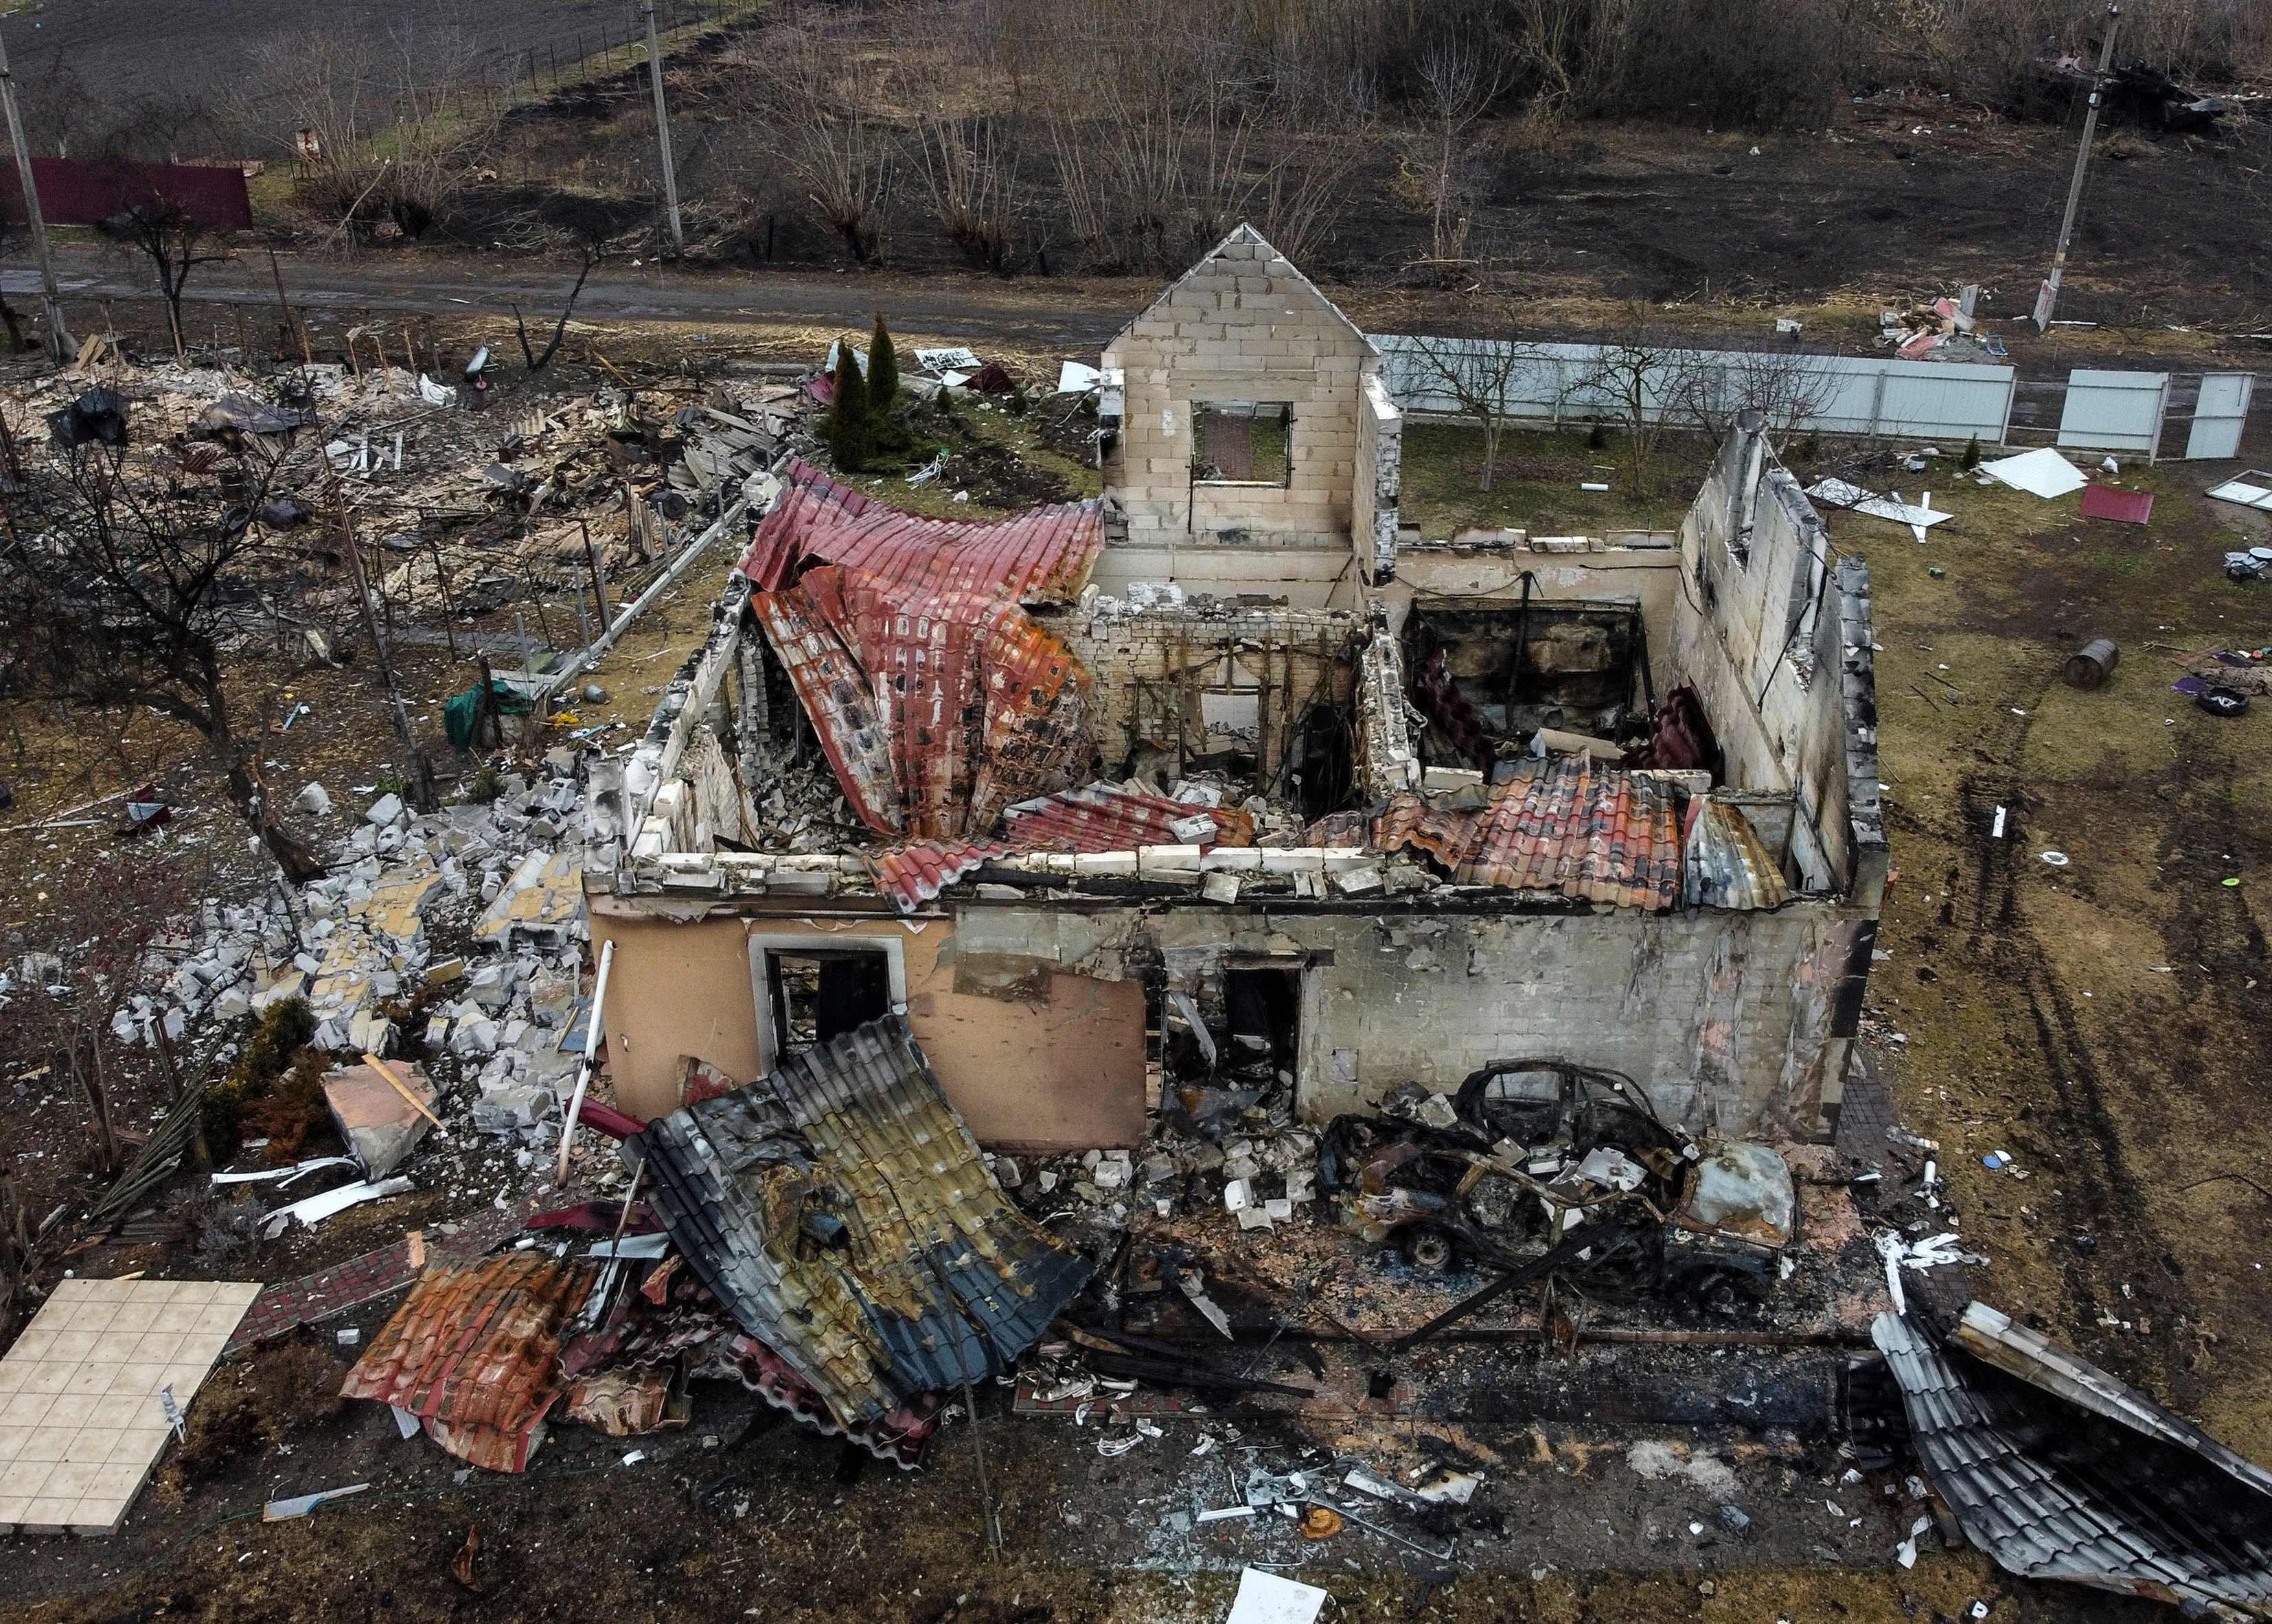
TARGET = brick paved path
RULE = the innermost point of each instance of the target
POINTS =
(1867, 1113)
(288, 1304)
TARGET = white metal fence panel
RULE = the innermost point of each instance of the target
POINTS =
(2220, 414)
(2113, 411)
(1830, 394)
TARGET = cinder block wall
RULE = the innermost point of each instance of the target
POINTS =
(1380, 481)
(1179, 653)
(1243, 325)
(1776, 620)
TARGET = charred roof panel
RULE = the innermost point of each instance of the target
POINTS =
(1725, 863)
(839, 1210)
(2059, 1471)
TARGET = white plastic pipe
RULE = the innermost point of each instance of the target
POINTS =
(591, 1058)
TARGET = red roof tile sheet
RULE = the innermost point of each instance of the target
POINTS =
(938, 700)
(1042, 556)
(1575, 826)
(914, 875)
(474, 1353)
(1104, 817)
(1099, 817)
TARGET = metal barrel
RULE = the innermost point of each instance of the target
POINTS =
(2090, 665)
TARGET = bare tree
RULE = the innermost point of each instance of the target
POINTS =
(60, 114)
(1573, 48)
(1640, 372)
(971, 177)
(797, 75)
(1789, 388)
(158, 127)
(123, 583)
(1459, 79)
(1481, 375)
(176, 241)
(1177, 138)
(587, 226)
(536, 363)
(962, 88)
(323, 99)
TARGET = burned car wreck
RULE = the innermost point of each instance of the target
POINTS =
(1533, 1155)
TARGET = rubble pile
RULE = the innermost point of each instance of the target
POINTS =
(1939, 329)
(799, 808)
(460, 511)
(358, 945)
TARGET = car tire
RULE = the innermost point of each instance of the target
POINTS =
(1426, 1245)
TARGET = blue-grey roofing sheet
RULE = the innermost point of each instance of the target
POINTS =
(937, 1278)
(2052, 1491)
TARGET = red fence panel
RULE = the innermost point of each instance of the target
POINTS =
(82, 191)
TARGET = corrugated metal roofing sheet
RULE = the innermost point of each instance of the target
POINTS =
(1725, 863)
(474, 1353)
(1106, 818)
(913, 875)
(938, 700)
(1098, 817)
(1043, 556)
(2131, 1499)
(937, 712)
(841, 1212)
(1575, 826)
(2122, 506)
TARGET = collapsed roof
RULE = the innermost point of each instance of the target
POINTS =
(939, 701)
(841, 1211)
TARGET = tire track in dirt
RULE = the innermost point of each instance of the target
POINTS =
(2101, 1194)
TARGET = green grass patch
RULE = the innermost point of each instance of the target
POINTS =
(1536, 481)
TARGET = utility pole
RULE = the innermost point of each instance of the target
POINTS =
(59, 344)
(2047, 296)
(663, 134)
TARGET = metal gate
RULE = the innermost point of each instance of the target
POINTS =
(2113, 411)
(2220, 413)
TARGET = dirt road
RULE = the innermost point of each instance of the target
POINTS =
(1074, 316)
(1063, 315)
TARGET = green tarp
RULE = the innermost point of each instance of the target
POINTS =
(457, 712)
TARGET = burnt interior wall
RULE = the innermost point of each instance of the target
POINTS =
(1724, 1017)
(1212, 674)
(1522, 666)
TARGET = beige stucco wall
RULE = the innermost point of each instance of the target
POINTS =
(1064, 1074)
(1243, 325)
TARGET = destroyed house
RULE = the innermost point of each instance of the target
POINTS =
(1225, 780)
